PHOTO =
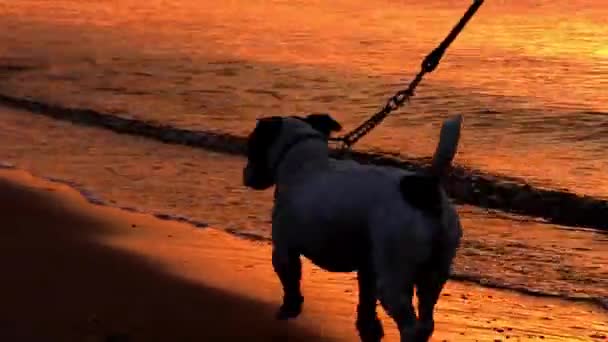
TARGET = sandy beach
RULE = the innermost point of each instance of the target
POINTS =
(74, 271)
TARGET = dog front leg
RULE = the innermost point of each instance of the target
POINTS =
(288, 267)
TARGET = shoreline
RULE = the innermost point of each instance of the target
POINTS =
(466, 185)
(107, 271)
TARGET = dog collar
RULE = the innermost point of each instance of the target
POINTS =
(283, 152)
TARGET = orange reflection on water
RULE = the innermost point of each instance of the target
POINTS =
(523, 55)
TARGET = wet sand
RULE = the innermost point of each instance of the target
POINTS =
(78, 272)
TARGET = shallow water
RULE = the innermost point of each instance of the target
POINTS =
(529, 76)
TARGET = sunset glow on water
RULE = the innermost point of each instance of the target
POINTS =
(529, 76)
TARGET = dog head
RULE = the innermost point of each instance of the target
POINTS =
(273, 137)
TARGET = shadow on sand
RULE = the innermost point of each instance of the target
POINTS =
(59, 284)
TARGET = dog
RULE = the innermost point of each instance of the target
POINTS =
(397, 229)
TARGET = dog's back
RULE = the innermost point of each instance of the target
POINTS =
(344, 197)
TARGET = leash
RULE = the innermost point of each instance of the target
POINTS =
(429, 64)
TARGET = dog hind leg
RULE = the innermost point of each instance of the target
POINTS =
(396, 299)
(369, 326)
(288, 266)
(395, 284)
(429, 284)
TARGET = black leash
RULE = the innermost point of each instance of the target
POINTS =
(429, 64)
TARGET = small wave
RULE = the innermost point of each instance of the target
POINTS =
(272, 93)
(595, 113)
(465, 185)
(94, 198)
(181, 218)
(247, 235)
(463, 277)
(6, 165)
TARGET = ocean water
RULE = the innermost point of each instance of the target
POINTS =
(529, 76)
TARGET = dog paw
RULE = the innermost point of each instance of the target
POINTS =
(424, 331)
(371, 331)
(291, 308)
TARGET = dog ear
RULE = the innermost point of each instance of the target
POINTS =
(323, 123)
(258, 173)
(269, 126)
(263, 136)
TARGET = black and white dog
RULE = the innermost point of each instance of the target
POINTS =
(397, 229)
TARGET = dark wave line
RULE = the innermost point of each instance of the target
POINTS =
(478, 280)
(220, 142)
(466, 186)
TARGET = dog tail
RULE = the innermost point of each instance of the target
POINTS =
(447, 146)
(422, 191)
